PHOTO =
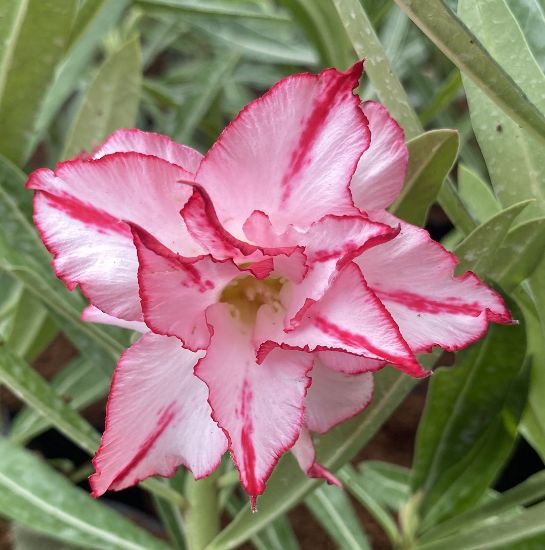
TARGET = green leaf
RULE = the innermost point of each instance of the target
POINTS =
(469, 423)
(530, 15)
(34, 495)
(463, 48)
(511, 152)
(93, 21)
(193, 111)
(513, 533)
(25, 382)
(211, 9)
(335, 513)
(431, 157)
(80, 383)
(386, 483)
(110, 102)
(34, 37)
(477, 194)
(510, 502)
(444, 96)
(478, 252)
(521, 252)
(288, 485)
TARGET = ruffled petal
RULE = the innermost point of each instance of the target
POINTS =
(334, 397)
(381, 170)
(290, 153)
(157, 418)
(348, 318)
(150, 143)
(81, 210)
(175, 291)
(260, 407)
(348, 363)
(305, 454)
(414, 278)
(92, 314)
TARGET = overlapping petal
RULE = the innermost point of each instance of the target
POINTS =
(175, 291)
(81, 210)
(158, 418)
(150, 143)
(348, 318)
(335, 396)
(414, 278)
(381, 170)
(260, 407)
(290, 153)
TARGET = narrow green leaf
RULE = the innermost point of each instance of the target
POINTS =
(34, 495)
(30, 31)
(192, 111)
(172, 519)
(520, 253)
(335, 513)
(530, 15)
(431, 157)
(529, 491)
(351, 481)
(464, 49)
(469, 423)
(93, 21)
(444, 96)
(478, 251)
(211, 9)
(80, 383)
(511, 533)
(477, 194)
(25, 382)
(110, 102)
(512, 154)
(386, 483)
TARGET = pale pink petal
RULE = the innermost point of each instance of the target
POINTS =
(347, 363)
(290, 153)
(260, 407)
(150, 143)
(175, 291)
(92, 314)
(381, 170)
(348, 318)
(81, 210)
(413, 277)
(157, 419)
(334, 397)
(305, 454)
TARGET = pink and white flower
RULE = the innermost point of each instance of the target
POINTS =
(266, 277)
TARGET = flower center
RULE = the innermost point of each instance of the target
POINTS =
(247, 294)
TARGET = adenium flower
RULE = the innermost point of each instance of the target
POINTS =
(266, 277)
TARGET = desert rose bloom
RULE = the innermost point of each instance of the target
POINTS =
(266, 277)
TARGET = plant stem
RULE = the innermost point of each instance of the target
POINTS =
(202, 513)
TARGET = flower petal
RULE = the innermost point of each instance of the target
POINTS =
(414, 278)
(175, 291)
(92, 314)
(305, 454)
(150, 143)
(348, 318)
(157, 418)
(260, 407)
(334, 397)
(290, 153)
(348, 363)
(381, 170)
(80, 210)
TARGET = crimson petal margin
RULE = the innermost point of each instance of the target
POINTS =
(157, 418)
